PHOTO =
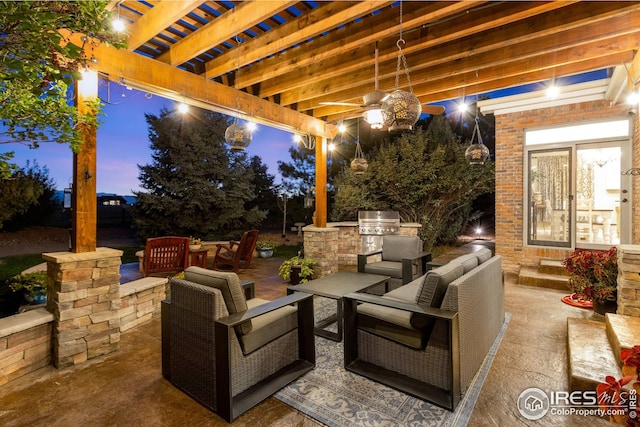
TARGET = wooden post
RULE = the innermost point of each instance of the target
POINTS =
(84, 204)
(321, 182)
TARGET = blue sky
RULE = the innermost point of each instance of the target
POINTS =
(123, 144)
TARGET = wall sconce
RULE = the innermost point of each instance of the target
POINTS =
(308, 141)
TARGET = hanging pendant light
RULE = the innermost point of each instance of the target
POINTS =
(359, 164)
(401, 109)
(373, 101)
(477, 153)
(238, 136)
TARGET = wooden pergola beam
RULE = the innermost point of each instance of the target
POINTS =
(173, 83)
(234, 21)
(161, 16)
(317, 21)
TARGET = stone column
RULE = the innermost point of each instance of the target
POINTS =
(629, 280)
(84, 296)
(321, 244)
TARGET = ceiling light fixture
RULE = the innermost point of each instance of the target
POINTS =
(552, 91)
(401, 109)
(238, 136)
(117, 23)
(372, 101)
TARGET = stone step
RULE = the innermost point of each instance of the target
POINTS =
(589, 355)
(623, 332)
(530, 276)
(552, 266)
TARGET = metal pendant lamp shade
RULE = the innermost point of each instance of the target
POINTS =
(359, 165)
(400, 110)
(238, 137)
(477, 153)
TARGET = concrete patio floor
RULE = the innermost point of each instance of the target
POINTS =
(126, 388)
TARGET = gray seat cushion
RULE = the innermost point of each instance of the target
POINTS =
(397, 248)
(408, 292)
(269, 326)
(483, 255)
(468, 262)
(433, 289)
(385, 268)
(229, 285)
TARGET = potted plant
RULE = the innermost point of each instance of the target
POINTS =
(297, 270)
(593, 275)
(265, 248)
(618, 398)
(33, 286)
(195, 244)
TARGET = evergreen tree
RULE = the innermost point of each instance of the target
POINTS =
(424, 176)
(27, 198)
(266, 197)
(195, 185)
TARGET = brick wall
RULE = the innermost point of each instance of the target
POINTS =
(510, 212)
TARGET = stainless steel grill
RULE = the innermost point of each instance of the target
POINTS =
(378, 223)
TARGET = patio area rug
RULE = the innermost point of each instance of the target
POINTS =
(338, 398)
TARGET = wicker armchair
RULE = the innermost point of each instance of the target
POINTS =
(401, 258)
(234, 252)
(428, 338)
(229, 353)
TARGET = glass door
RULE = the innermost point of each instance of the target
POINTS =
(598, 195)
(549, 196)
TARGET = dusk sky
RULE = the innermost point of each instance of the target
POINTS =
(123, 141)
(123, 144)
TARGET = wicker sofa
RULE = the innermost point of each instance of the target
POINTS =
(429, 337)
(229, 353)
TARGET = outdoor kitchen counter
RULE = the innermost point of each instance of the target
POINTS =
(341, 242)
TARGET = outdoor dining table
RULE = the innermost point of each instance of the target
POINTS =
(336, 286)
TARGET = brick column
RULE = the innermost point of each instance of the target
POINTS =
(84, 297)
(321, 244)
(629, 280)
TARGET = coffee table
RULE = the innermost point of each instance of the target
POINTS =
(336, 286)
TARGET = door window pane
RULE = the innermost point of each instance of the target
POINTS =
(598, 196)
(549, 205)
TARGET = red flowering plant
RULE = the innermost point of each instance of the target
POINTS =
(593, 274)
(619, 398)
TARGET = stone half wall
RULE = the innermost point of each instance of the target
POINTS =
(339, 243)
(25, 343)
(629, 280)
(80, 329)
(509, 155)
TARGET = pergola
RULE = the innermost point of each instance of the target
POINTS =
(278, 62)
